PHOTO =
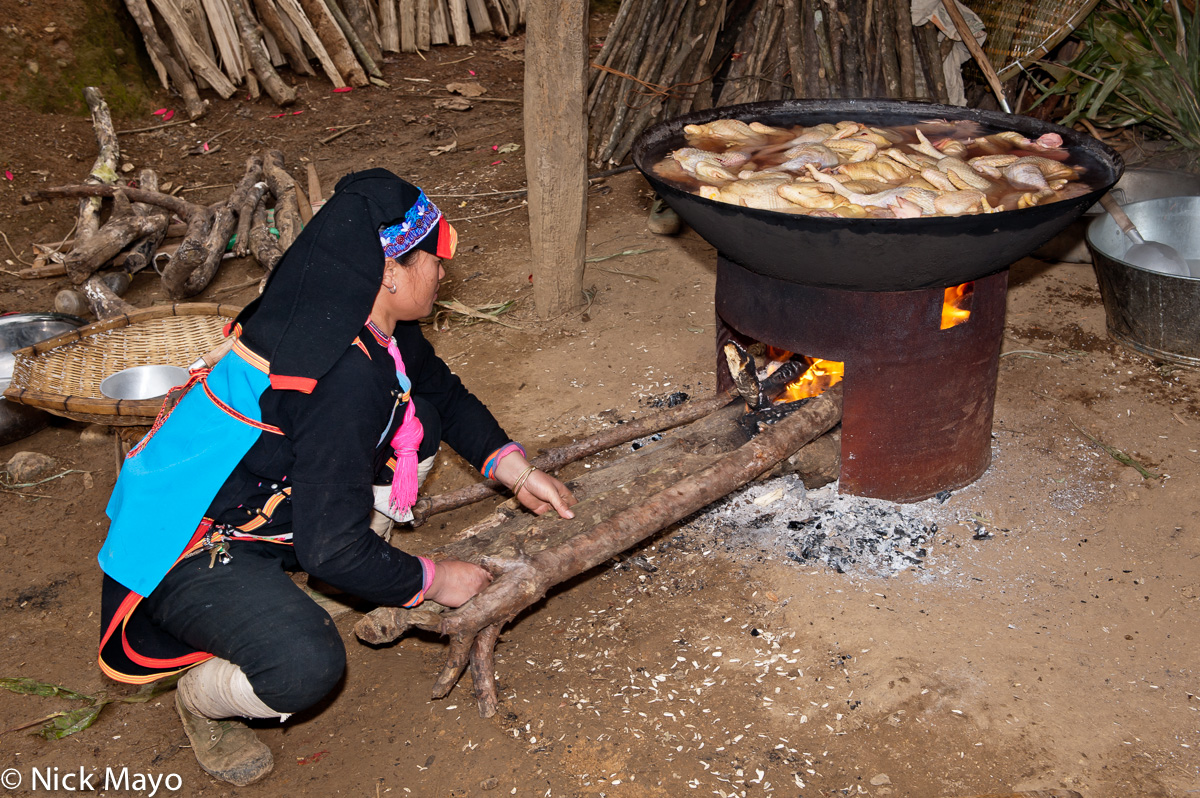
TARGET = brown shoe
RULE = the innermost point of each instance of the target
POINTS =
(226, 749)
(663, 220)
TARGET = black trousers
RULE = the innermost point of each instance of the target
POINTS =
(250, 612)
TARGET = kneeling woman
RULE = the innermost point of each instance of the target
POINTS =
(329, 404)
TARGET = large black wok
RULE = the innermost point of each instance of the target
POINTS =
(874, 254)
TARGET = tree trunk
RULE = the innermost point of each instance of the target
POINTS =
(556, 151)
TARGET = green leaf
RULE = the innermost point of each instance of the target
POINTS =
(67, 723)
(26, 686)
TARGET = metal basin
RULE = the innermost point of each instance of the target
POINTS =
(143, 382)
(1152, 313)
(874, 254)
(16, 332)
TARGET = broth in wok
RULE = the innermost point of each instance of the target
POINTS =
(849, 169)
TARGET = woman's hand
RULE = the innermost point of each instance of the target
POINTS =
(537, 491)
(455, 582)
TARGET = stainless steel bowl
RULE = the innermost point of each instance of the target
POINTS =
(18, 331)
(143, 382)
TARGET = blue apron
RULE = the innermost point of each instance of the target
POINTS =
(169, 480)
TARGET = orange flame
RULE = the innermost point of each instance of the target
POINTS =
(821, 374)
(956, 306)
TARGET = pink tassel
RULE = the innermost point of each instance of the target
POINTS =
(405, 442)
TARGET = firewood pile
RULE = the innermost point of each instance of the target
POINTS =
(664, 58)
(224, 44)
(183, 241)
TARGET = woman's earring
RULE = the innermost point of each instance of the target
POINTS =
(391, 288)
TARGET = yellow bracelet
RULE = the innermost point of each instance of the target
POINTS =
(521, 480)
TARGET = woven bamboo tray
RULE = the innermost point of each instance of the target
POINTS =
(62, 375)
(1022, 31)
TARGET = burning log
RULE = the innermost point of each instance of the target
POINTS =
(636, 497)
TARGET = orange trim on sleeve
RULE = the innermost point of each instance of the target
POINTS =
(282, 382)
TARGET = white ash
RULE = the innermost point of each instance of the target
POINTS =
(821, 528)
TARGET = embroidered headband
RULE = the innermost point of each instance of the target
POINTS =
(424, 227)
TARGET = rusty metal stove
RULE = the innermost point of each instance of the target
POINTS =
(917, 401)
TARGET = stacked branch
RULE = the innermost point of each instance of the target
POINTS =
(664, 58)
(619, 506)
(224, 44)
(139, 223)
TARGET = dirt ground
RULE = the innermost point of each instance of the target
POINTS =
(1047, 641)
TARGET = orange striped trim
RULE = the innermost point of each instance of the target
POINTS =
(282, 382)
(268, 509)
(216, 400)
(257, 361)
(358, 342)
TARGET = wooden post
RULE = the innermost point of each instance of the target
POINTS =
(556, 151)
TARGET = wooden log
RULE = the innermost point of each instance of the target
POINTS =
(555, 459)
(905, 48)
(263, 244)
(192, 252)
(103, 172)
(389, 26)
(458, 23)
(223, 225)
(356, 44)
(815, 83)
(250, 192)
(193, 53)
(478, 13)
(102, 301)
(424, 34)
(228, 40)
(837, 41)
(296, 14)
(408, 26)
(283, 94)
(889, 65)
(795, 52)
(359, 16)
(141, 254)
(676, 479)
(285, 34)
(176, 205)
(556, 152)
(850, 13)
(287, 206)
(818, 463)
(102, 246)
(439, 22)
(636, 50)
(931, 62)
(197, 21)
(336, 45)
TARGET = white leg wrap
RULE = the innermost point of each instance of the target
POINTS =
(382, 518)
(217, 689)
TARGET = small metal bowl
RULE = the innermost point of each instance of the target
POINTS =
(143, 382)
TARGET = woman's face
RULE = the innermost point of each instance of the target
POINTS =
(416, 285)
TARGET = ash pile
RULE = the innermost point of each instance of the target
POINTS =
(821, 528)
